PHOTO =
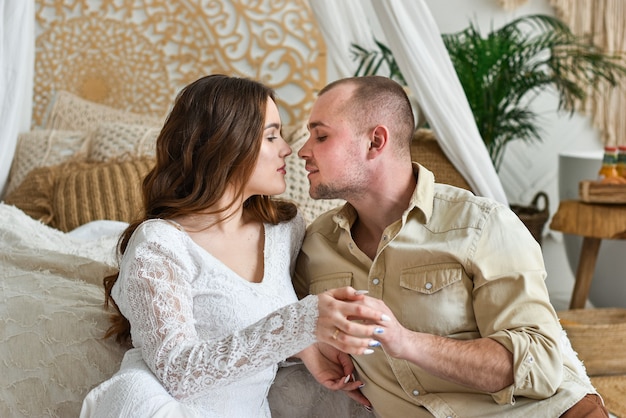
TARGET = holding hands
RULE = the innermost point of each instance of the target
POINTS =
(348, 326)
(389, 332)
(349, 323)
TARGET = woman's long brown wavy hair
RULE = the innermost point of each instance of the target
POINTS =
(210, 141)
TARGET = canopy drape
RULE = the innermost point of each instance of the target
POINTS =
(17, 60)
(411, 33)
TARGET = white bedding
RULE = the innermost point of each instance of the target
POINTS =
(51, 317)
(98, 229)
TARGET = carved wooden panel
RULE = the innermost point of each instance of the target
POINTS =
(136, 54)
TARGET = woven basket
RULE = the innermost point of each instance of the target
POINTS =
(533, 217)
(598, 335)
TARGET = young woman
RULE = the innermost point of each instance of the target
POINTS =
(204, 288)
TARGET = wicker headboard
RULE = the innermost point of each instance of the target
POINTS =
(426, 150)
(135, 55)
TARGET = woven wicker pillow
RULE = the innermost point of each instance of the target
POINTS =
(426, 150)
(86, 192)
(34, 194)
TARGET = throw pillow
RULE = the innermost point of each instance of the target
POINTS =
(34, 194)
(122, 141)
(70, 112)
(293, 133)
(426, 150)
(42, 148)
(86, 192)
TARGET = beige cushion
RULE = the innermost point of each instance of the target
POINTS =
(122, 141)
(69, 195)
(34, 194)
(73, 124)
(70, 112)
(42, 148)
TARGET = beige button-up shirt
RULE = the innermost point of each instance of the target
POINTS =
(459, 266)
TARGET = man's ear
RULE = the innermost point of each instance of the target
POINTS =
(379, 140)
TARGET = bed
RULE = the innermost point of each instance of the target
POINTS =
(105, 75)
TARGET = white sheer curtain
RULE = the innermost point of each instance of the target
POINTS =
(412, 34)
(338, 36)
(17, 58)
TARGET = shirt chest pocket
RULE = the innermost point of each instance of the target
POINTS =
(431, 278)
(330, 281)
(437, 299)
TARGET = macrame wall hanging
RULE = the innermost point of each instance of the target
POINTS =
(511, 4)
(605, 22)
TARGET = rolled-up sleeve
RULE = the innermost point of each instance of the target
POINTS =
(512, 305)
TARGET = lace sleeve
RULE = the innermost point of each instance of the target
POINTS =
(156, 296)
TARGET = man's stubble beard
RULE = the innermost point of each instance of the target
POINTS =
(351, 182)
(352, 188)
(324, 191)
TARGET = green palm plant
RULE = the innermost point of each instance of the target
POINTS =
(502, 72)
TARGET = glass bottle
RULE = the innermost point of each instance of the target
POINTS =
(621, 160)
(609, 163)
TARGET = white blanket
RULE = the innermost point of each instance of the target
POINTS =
(51, 317)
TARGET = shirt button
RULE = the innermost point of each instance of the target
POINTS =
(384, 237)
(416, 392)
(376, 281)
(530, 359)
(350, 245)
(428, 286)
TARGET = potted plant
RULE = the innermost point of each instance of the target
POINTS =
(504, 71)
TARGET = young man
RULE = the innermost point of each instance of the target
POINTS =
(472, 330)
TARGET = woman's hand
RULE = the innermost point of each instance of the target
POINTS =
(346, 323)
(334, 370)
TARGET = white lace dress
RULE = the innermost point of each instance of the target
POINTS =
(207, 342)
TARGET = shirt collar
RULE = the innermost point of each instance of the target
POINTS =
(421, 200)
(424, 193)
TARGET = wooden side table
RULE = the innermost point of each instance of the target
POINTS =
(594, 222)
